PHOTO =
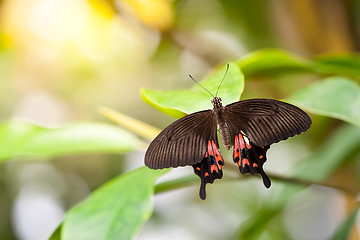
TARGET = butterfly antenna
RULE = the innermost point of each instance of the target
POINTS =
(200, 85)
(227, 69)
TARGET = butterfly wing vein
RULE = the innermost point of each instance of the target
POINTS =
(183, 142)
(266, 121)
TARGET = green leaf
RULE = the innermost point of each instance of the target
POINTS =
(344, 230)
(116, 210)
(336, 97)
(272, 61)
(178, 103)
(340, 64)
(25, 139)
(56, 235)
(269, 62)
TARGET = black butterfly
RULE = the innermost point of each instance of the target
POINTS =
(249, 126)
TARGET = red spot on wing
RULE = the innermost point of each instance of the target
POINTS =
(198, 168)
(245, 161)
(206, 174)
(214, 168)
(210, 149)
(236, 148)
(261, 157)
(255, 165)
(215, 152)
(242, 142)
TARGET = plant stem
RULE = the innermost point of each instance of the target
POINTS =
(190, 180)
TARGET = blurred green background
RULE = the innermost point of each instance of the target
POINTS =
(60, 60)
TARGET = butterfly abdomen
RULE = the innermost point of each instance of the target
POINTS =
(224, 134)
(223, 128)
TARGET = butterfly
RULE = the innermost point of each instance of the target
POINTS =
(249, 126)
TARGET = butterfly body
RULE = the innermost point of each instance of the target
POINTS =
(249, 126)
(218, 111)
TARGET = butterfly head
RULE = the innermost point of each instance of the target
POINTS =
(216, 101)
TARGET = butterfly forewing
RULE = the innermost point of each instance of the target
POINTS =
(265, 121)
(182, 143)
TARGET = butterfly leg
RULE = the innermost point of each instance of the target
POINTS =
(210, 168)
(250, 158)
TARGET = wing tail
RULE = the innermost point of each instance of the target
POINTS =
(210, 168)
(250, 158)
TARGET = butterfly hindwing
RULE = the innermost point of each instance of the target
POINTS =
(183, 142)
(249, 157)
(265, 121)
(210, 168)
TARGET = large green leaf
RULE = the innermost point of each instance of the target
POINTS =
(339, 64)
(181, 102)
(336, 97)
(116, 210)
(24, 139)
(272, 61)
(267, 62)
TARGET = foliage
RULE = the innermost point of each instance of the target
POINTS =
(178, 103)
(25, 139)
(335, 97)
(115, 211)
(118, 208)
(58, 63)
